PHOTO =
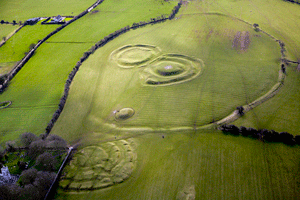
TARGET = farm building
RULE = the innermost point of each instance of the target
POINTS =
(32, 21)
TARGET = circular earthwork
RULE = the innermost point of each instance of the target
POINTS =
(130, 56)
(5, 104)
(171, 69)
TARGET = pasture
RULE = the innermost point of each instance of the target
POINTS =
(202, 165)
(46, 72)
(144, 105)
(15, 48)
(172, 77)
(176, 161)
(23, 10)
(6, 30)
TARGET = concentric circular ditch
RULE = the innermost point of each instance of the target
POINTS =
(96, 167)
(171, 69)
(130, 56)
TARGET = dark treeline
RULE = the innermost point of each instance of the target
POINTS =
(36, 175)
(263, 134)
(99, 44)
(14, 22)
(19, 66)
(293, 1)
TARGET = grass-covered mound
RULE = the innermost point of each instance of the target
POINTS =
(124, 113)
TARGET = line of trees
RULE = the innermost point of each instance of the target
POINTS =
(263, 134)
(294, 1)
(92, 50)
(175, 10)
(14, 22)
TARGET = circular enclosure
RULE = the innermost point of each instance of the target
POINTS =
(171, 69)
(5, 104)
(199, 77)
(130, 56)
(96, 167)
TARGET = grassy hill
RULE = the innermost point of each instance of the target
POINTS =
(140, 105)
(46, 72)
(174, 162)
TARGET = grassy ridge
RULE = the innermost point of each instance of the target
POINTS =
(23, 10)
(282, 112)
(218, 166)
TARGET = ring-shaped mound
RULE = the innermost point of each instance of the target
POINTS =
(124, 113)
(171, 69)
(5, 104)
(130, 56)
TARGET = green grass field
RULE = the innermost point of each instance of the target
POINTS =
(46, 72)
(213, 165)
(14, 49)
(202, 164)
(228, 77)
(140, 105)
(23, 10)
(6, 30)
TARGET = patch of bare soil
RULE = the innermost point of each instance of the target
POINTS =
(241, 41)
(209, 34)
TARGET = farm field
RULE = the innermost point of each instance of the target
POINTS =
(280, 113)
(144, 107)
(203, 92)
(50, 76)
(204, 165)
(23, 10)
(7, 29)
(110, 16)
(115, 78)
(15, 48)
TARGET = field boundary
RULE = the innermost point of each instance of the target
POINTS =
(271, 93)
(24, 60)
(10, 35)
(54, 184)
